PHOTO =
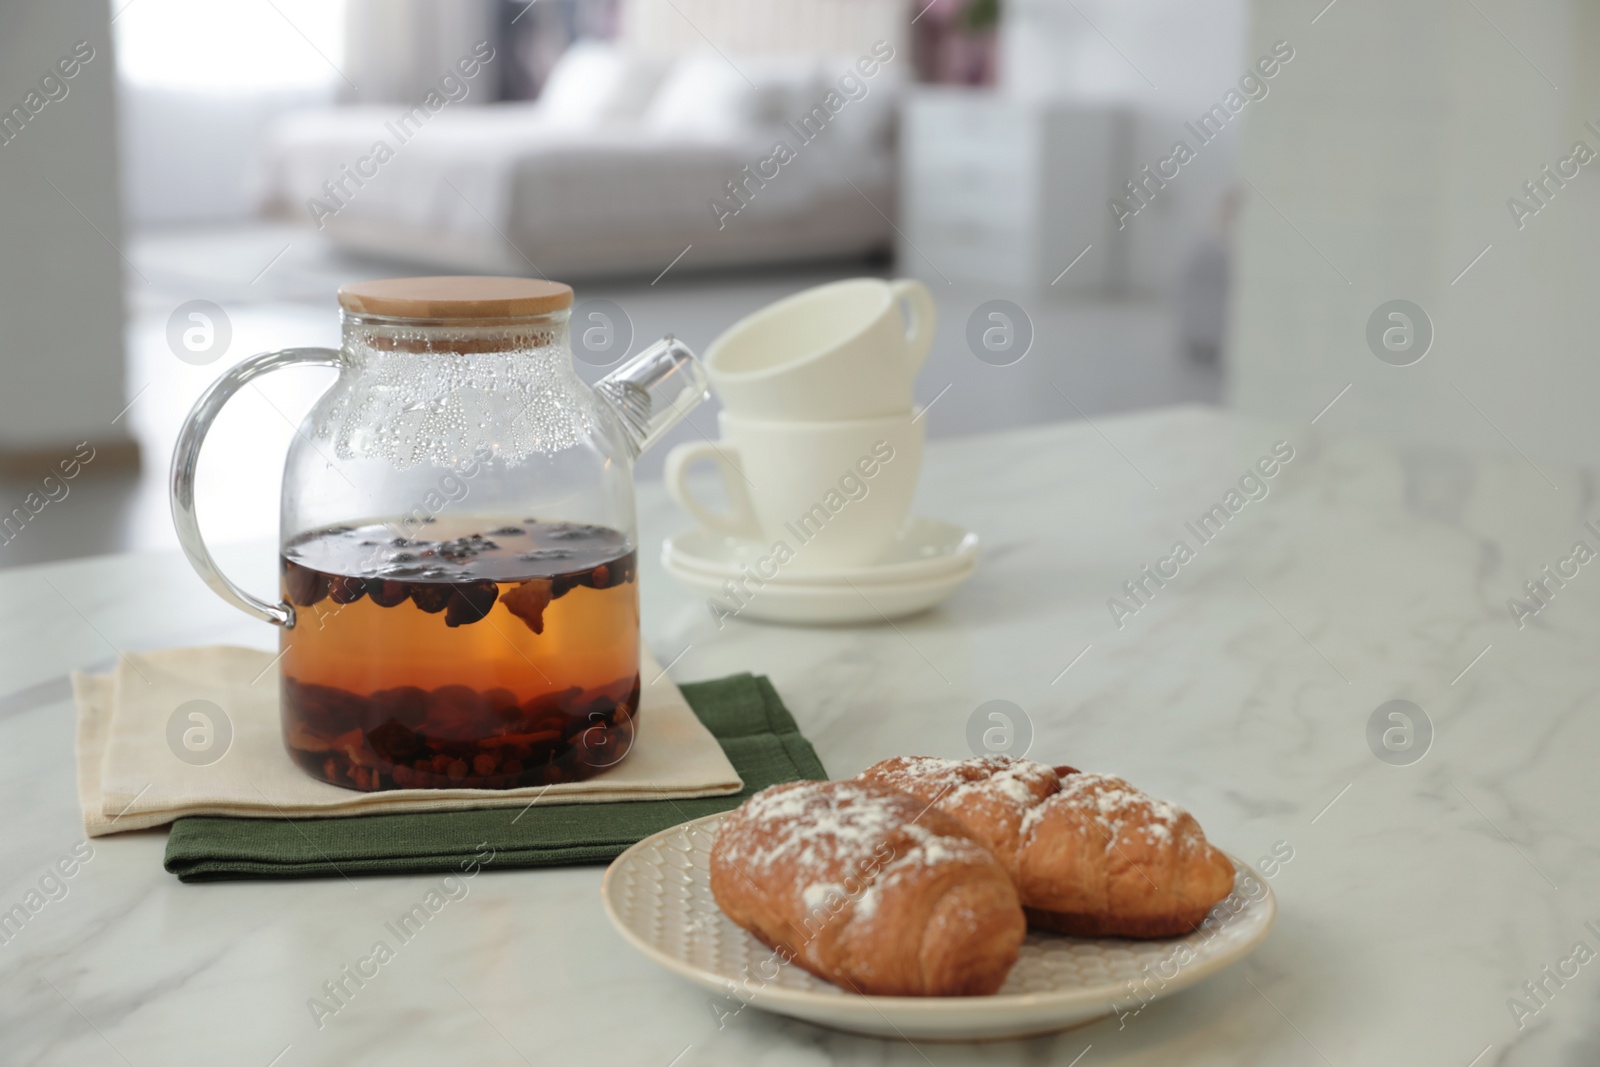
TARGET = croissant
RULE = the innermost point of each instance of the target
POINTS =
(1090, 855)
(868, 888)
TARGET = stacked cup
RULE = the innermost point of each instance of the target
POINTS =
(819, 458)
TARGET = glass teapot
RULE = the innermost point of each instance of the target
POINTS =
(457, 547)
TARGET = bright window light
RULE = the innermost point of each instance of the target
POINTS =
(230, 45)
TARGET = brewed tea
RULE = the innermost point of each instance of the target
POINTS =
(489, 654)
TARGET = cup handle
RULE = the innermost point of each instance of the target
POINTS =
(741, 521)
(186, 460)
(924, 317)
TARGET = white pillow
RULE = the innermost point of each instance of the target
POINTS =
(866, 123)
(786, 87)
(703, 95)
(595, 82)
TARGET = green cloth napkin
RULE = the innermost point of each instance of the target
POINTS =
(742, 712)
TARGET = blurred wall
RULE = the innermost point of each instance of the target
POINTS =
(396, 50)
(61, 360)
(1389, 153)
(193, 156)
(1165, 63)
(198, 84)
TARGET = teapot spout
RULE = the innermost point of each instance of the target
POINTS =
(652, 392)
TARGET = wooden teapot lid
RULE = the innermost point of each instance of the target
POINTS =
(455, 297)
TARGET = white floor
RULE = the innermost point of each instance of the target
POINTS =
(276, 286)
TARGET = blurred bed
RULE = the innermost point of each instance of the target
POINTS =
(625, 160)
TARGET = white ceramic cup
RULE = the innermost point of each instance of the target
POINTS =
(838, 351)
(835, 493)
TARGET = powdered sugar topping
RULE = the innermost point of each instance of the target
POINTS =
(842, 841)
(1115, 806)
(1020, 781)
(930, 848)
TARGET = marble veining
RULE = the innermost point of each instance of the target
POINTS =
(1417, 901)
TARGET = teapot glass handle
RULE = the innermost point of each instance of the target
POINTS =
(186, 459)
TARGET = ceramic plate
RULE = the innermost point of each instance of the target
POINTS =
(819, 604)
(925, 548)
(658, 894)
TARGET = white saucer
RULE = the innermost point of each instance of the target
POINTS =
(658, 896)
(926, 562)
(925, 548)
(818, 603)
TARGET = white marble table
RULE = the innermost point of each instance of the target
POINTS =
(1418, 900)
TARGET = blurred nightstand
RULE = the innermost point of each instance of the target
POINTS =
(1011, 193)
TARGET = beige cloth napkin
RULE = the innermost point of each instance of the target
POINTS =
(129, 777)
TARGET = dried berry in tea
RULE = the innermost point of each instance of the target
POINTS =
(474, 660)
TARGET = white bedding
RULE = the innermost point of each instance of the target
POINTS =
(524, 188)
